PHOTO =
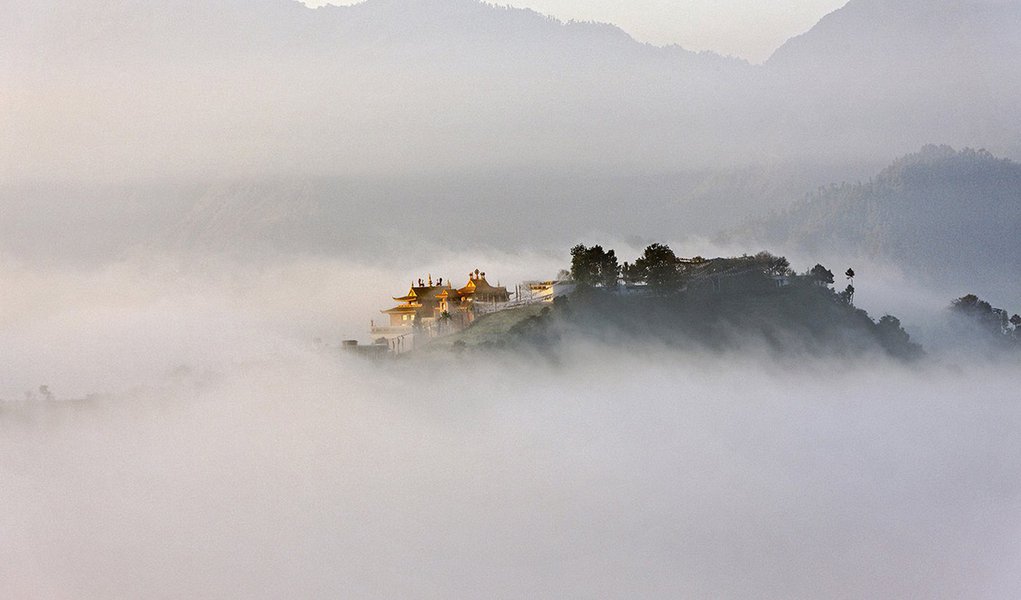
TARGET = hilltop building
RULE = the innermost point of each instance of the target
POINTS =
(478, 290)
(434, 309)
(545, 291)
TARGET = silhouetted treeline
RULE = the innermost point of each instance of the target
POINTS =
(754, 301)
(994, 323)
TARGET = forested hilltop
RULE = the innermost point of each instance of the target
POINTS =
(939, 214)
(755, 303)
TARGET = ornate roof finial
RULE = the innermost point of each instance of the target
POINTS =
(430, 279)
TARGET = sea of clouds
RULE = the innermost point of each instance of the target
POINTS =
(197, 444)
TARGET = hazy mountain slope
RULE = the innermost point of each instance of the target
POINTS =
(340, 126)
(132, 90)
(503, 209)
(908, 72)
(508, 209)
(943, 215)
(866, 35)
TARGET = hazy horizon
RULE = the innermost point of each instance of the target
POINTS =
(741, 28)
(204, 203)
(119, 92)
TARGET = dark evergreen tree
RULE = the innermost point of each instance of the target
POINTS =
(659, 267)
(777, 266)
(630, 274)
(583, 270)
(993, 320)
(821, 275)
(609, 270)
(594, 266)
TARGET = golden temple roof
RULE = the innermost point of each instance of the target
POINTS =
(403, 309)
(428, 297)
(478, 286)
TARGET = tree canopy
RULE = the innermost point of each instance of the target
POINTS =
(659, 268)
(594, 266)
(994, 320)
(821, 275)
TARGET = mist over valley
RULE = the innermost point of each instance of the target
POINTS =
(678, 325)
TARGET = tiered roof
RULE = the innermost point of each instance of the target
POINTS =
(480, 288)
(426, 297)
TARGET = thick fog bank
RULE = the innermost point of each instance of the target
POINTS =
(81, 329)
(190, 442)
(106, 328)
(610, 475)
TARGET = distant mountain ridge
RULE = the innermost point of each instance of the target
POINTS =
(918, 71)
(342, 128)
(921, 26)
(943, 215)
(125, 88)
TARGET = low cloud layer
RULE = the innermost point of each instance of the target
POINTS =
(86, 329)
(110, 327)
(612, 475)
(220, 456)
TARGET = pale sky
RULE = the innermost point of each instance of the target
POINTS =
(751, 29)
